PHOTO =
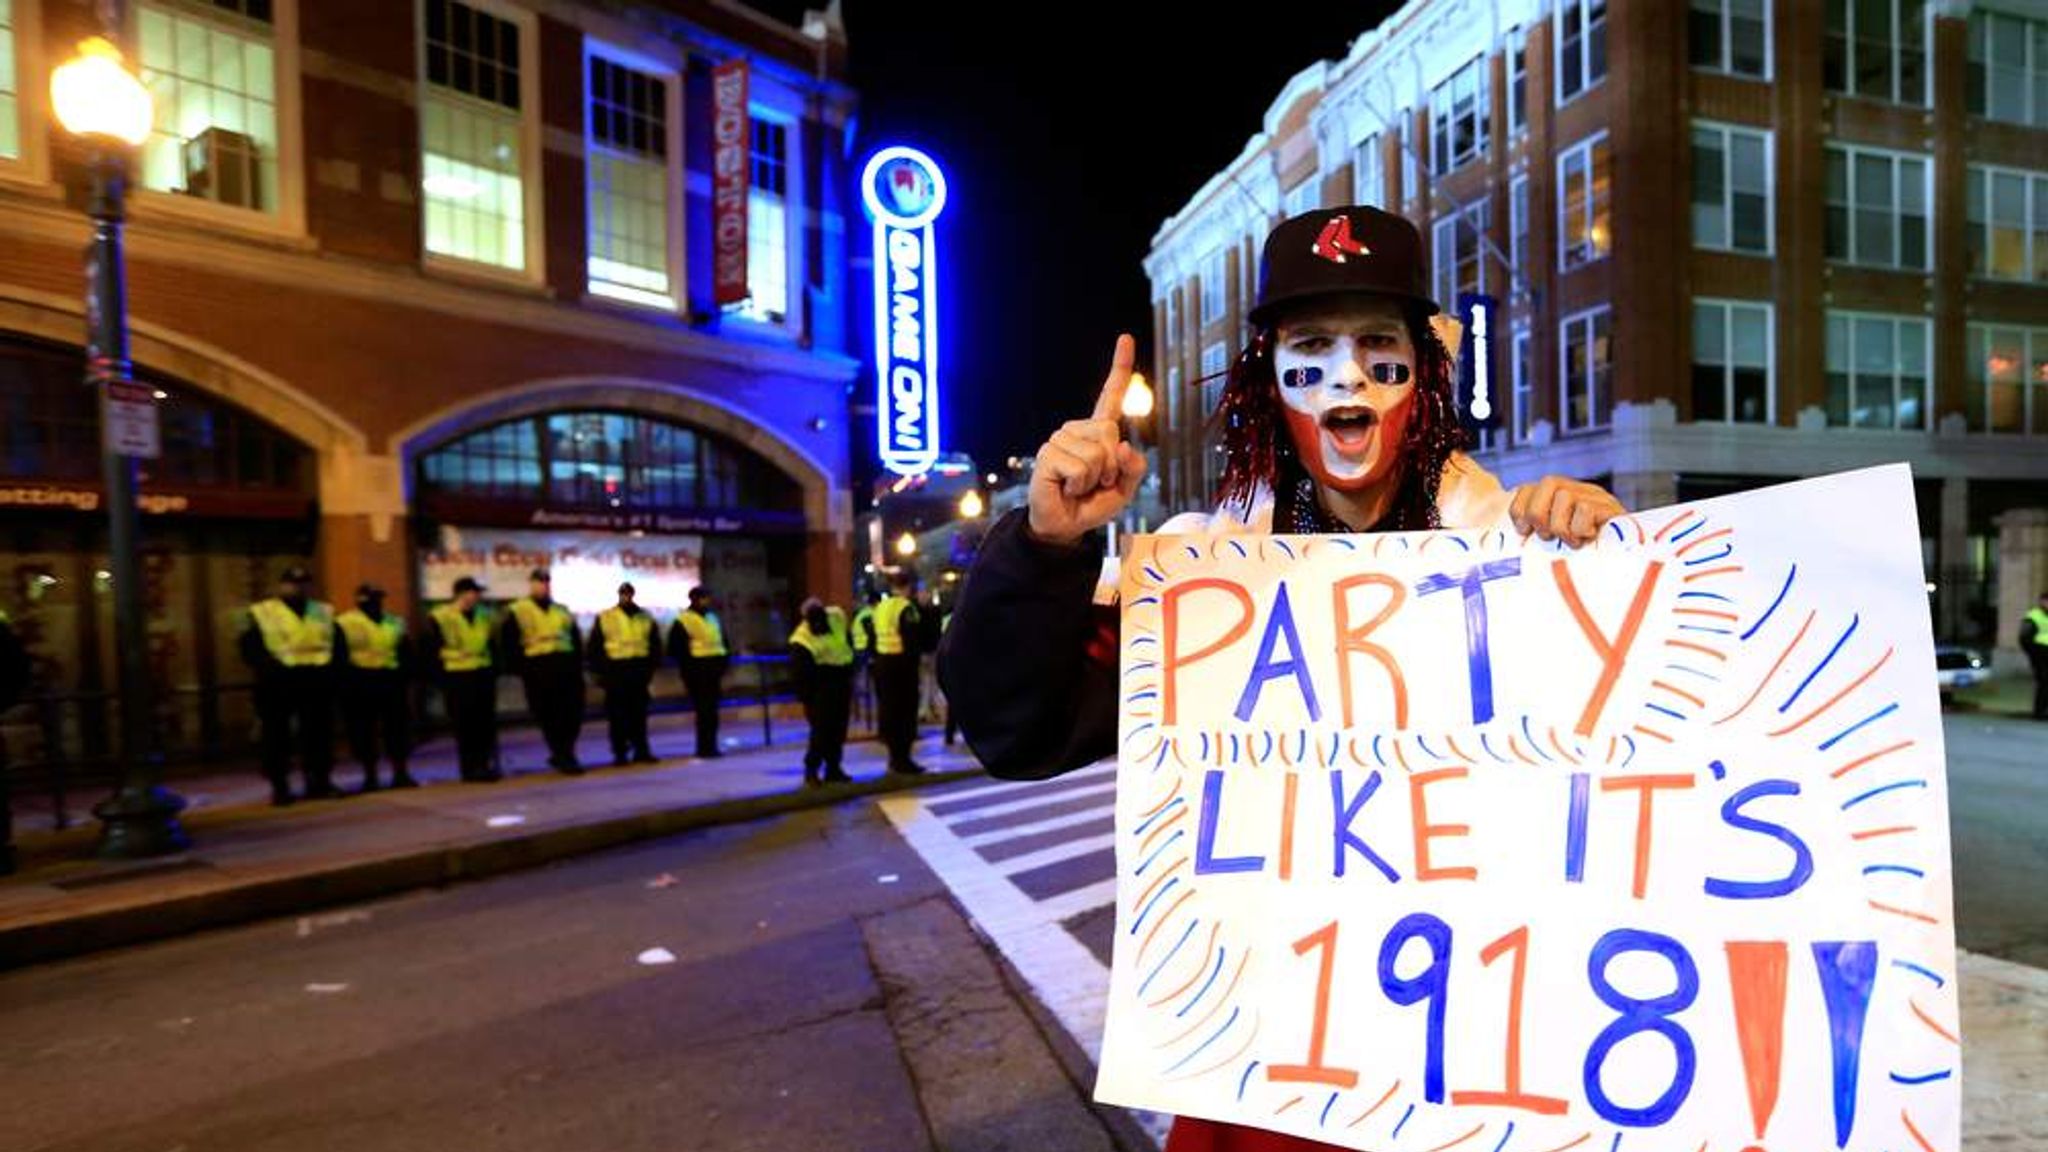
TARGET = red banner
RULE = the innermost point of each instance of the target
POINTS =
(731, 132)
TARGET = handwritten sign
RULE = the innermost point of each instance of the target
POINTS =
(1458, 840)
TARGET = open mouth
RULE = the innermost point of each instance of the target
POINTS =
(1350, 427)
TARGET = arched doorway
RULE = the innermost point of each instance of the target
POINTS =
(231, 500)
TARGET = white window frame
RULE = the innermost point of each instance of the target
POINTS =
(1897, 23)
(1897, 322)
(1409, 162)
(1583, 319)
(2033, 393)
(1522, 370)
(1585, 147)
(1213, 286)
(1726, 66)
(31, 85)
(534, 274)
(1518, 81)
(1851, 153)
(771, 102)
(671, 78)
(1519, 231)
(1728, 133)
(1584, 9)
(1303, 197)
(1472, 220)
(1369, 172)
(1443, 117)
(1978, 55)
(1172, 314)
(1728, 310)
(1981, 176)
(289, 217)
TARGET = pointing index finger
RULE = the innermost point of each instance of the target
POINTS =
(1110, 404)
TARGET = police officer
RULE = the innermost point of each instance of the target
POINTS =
(294, 649)
(14, 680)
(696, 642)
(2034, 642)
(543, 645)
(622, 654)
(823, 654)
(460, 641)
(375, 694)
(898, 648)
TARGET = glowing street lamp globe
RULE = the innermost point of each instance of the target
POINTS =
(971, 506)
(95, 94)
(906, 545)
(1138, 397)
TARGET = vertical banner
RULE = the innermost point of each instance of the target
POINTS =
(904, 192)
(731, 131)
(1460, 840)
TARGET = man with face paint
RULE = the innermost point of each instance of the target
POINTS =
(1337, 417)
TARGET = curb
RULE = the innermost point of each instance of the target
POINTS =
(358, 880)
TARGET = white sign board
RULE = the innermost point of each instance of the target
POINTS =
(587, 567)
(130, 421)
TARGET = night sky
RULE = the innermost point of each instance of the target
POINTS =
(1069, 132)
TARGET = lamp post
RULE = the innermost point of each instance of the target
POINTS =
(99, 101)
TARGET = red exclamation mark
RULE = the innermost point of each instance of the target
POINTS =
(1756, 976)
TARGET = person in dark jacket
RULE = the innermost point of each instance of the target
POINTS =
(292, 645)
(14, 681)
(623, 651)
(696, 642)
(376, 688)
(1029, 662)
(2034, 642)
(461, 636)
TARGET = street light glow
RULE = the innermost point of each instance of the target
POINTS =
(94, 94)
(971, 506)
(1138, 397)
(906, 545)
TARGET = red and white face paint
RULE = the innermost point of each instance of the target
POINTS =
(1347, 381)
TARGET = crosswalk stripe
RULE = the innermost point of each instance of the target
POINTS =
(1058, 854)
(999, 835)
(946, 804)
(994, 816)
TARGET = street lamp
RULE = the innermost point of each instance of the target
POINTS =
(906, 545)
(971, 505)
(1138, 397)
(98, 100)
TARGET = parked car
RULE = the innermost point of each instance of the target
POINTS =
(1959, 666)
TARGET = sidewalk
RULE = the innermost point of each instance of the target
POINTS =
(250, 860)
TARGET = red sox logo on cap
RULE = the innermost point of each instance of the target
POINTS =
(1336, 243)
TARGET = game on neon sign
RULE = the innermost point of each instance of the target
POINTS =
(905, 192)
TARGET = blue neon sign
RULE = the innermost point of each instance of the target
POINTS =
(904, 192)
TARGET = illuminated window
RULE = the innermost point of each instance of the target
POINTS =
(1460, 254)
(472, 129)
(627, 169)
(1877, 371)
(1524, 368)
(1877, 208)
(212, 71)
(1518, 79)
(1408, 159)
(1459, 118)
(1584, 204)
(2008, 223)
(767, 223)
(1214, 294)
(1732, 36)
(1586, 367)
(1731, 362)
(1877, 49)
(1303, 197)
(10, 100)
(2008, 69)
(1581, 47)
(2008, 374)
(1518, 231)
(1731, 189)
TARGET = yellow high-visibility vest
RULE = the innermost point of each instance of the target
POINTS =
(707, 636)
(626, 637)
(544, 631)
(372, 644)
(889, 616)
(296, 641)
(2040, 621)
(833, 649)
(863, 628)
(465, 643)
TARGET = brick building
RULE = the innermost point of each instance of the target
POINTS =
(426, 286)
(1731, 242)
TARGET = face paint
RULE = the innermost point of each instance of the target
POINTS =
(1347, 394)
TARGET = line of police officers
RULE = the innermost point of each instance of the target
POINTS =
(305, 658)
